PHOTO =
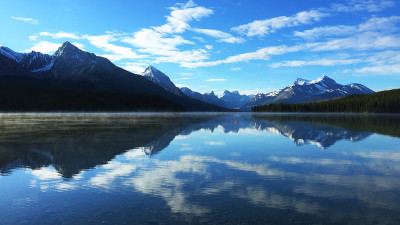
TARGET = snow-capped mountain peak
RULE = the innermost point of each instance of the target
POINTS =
(324, 79)
(301, 81)
(210, 93)
(67, 48)
(11, 54)
(303, 90)
(156, 76)
(34, 61)
(151, 70)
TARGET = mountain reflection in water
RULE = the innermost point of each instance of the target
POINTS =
(199, 164)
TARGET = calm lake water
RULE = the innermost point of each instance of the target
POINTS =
(199, 169)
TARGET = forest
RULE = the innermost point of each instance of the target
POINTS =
(380, 102)
(39, 99)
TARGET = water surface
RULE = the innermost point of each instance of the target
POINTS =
(199, 169)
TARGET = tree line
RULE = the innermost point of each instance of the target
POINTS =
(380, 102)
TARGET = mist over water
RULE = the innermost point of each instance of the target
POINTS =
(216, 168)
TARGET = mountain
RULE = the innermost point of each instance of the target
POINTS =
(380, 102)
(158, 77)
(208, 97)
(302, 91)
(231, 100)
(72, 72)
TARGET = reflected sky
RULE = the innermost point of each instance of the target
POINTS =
(199, 168)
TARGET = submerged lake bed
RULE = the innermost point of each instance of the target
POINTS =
(199, 168)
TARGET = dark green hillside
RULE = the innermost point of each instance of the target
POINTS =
(380, 102)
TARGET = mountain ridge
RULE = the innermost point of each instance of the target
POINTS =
(156, 76)
(302, 91)
(70, 68)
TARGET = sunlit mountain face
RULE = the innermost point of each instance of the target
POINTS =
(200, 168)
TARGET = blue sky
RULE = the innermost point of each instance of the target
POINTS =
(208, 45)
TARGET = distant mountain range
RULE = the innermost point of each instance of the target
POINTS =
(72, 70)
(69, 73)
(233, 100)
(302, 91)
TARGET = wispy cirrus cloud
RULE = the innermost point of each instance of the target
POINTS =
(263, 27)
(117, 52)
(377, 34)
(363, 5)
(377, 24)
(220, 35)
(45, 47)
(385, 69)
(215, 80)
(26, 20)
(135, 67)
(162, 41)
(178, 20)
(151, 41)
(60, 34)
(317, 32)
(318, 62)
(261, 54)
(215, 143)
(48, 47)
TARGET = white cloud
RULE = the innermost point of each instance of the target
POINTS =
(209, 47)
(236, 69)
(60, 34)
(385, 57)
(385, 69)
(26, 20)
(264, 27)
(261, 54)
(213, 80)
(362, 41)
(45, 47)
(363, 5)
(150, 41)
(33, 37)
(163, 41)
(118, 52)
(79, 45)
(184, 56)
(383, 25)
(135, 68)
(326, 31)
(319, 62)
(215, 143)
(222, 36)
(177, 21)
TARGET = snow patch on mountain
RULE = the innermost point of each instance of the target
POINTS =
(156, 76)
(45, 68)
(303, 90)
(11, 54)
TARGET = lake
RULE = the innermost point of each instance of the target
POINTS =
(189, 168)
